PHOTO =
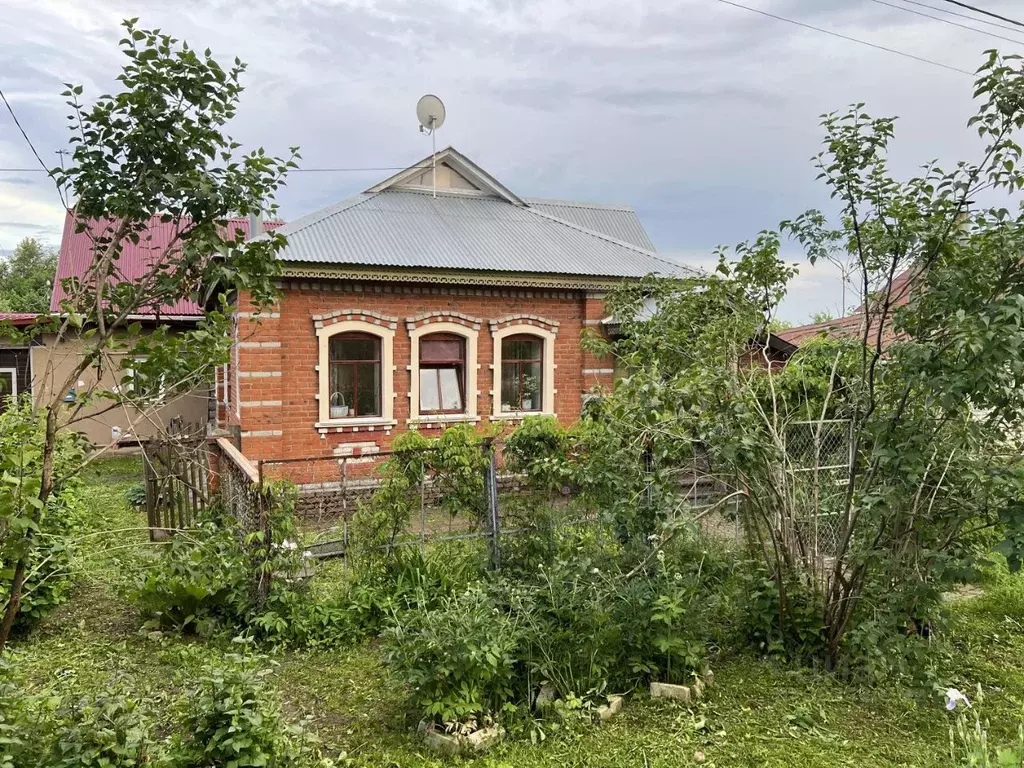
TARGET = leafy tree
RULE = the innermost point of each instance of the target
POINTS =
(822, 317)
(156, 148)
(26, 278)
(932, 390)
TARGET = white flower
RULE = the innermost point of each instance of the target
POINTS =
(307, 554)
(954, 697)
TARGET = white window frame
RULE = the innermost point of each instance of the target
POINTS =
(14, 381)
(161, 392)
(471, 338)
(387, 374)
(548, 357)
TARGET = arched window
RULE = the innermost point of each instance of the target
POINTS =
(355, 375)
(522, 373)
(442, 363)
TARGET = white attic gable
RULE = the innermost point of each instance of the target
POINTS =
(455, 172)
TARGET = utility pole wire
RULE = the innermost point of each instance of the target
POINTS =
(17, 122)
(961, 15)
(986, 13)
(948, 21)
(293, 170)
(848, 38)
(27, 139)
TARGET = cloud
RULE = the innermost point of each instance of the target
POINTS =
(700, 115)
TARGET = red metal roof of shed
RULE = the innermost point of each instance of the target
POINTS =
(136, 260)
(18, 318)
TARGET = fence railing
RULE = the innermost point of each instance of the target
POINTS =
(245, 498)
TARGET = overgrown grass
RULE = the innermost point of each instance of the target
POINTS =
(758, 714)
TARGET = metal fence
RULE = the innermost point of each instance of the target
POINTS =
(818, 456)
(501, 507)
(332, 489)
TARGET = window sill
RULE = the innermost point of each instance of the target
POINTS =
(514, 415)
(443, 418)
(368, 423)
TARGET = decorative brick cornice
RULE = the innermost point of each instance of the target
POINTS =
(345, 275)
(523, 319)
(443, 316)
(362, 315)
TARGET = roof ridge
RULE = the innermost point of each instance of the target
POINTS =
(610, 239)
(580, 204)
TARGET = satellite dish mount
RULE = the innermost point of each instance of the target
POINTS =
(430, 112)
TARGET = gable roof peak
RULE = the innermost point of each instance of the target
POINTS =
(452, 162)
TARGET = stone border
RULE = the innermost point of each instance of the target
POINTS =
(436, 740)
(684, 693)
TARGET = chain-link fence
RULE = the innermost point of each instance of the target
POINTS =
(499, 509)
(818, 464)
(482, 504)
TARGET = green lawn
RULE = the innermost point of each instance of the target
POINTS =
(758, 713)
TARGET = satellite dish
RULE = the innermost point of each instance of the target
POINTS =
(430, 112)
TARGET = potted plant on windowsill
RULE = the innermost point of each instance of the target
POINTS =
(339, 410)
(531, 390)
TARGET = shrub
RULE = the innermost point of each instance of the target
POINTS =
(782, 616)
(135, 495)
(458, 658)
(570, 636)
(232, 720)
(205, 580)
(43, 534)
(21, 743)
(199, 582)
(110, 730)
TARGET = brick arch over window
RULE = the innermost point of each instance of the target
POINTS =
(365, 324)
(525, 325)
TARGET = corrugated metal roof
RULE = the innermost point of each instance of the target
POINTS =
(412, 229)
(76, 255)
(619, 221)
(18, 318)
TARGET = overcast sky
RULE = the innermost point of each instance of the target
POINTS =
(701, 115)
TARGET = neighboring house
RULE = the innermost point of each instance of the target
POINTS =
(50, 364)
(850, 326)
(405, 309)
(15, 361)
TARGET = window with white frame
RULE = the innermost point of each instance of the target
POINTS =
(524, 371)
(442, 374)
(355, 360)
(356, 373)
(8, 387)
(443, 371)
(141, 383)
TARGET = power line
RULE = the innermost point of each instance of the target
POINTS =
(27, 139)
(986, 13)
(961, 15)
(948, 21)
(847, 37)
(293, 170)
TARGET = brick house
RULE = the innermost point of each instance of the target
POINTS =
(428, 301)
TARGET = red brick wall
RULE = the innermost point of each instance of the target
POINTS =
(278, 357)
